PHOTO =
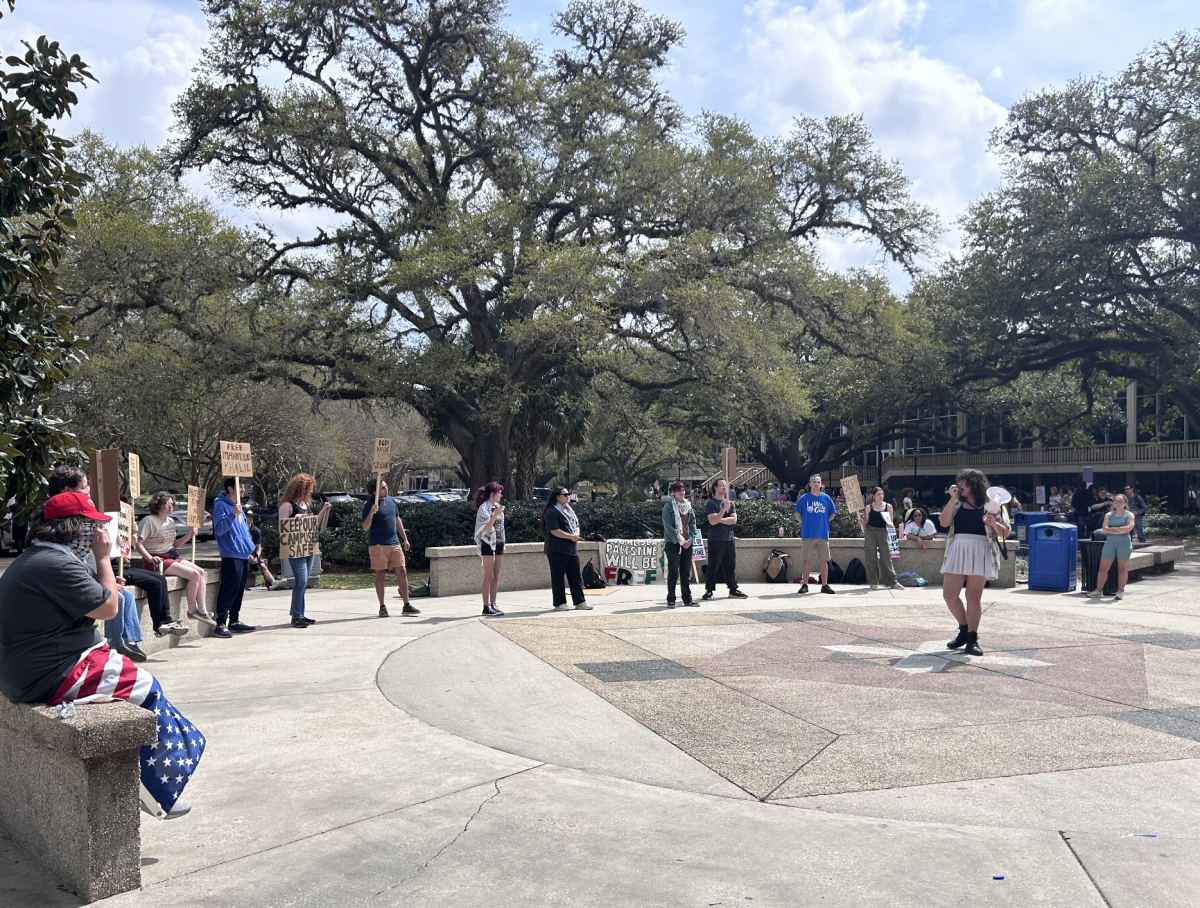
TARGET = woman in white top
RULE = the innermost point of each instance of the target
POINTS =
(919, 527)
(159, 547)
(489, 538)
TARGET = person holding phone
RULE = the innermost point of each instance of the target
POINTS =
(972, 557)
(560, 529)
(722, 517)
(489, 538)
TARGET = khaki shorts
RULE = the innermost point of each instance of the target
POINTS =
(387, 557)
(814, 548)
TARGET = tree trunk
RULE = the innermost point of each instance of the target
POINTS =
(486, 455)
(526, 455)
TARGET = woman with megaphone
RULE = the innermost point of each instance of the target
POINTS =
(973, 519)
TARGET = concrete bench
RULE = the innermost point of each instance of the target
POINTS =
(177, 598)
(69, 792)
(1165, 556)
(456, 570)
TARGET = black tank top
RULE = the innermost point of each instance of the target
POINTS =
(969, 522)
(875, 518)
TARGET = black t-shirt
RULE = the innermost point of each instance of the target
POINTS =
(720, 532)
(556, 520)
(45, 596)
(256, 536)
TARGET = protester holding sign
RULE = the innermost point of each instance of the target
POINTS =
(296, 501)
(384, 528)
(814, 510)
(679, 526)
(560, 527)
(236, 546)
(489, 537)
(877, 550)
(722, 517)
(159, 547)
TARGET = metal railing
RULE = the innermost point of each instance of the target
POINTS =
(1096, 455)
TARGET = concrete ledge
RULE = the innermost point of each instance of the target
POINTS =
(69, 792)
(177, 599)
(1165, 556)
(456, 570)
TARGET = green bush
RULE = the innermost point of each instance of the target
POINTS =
(1172, 524)
(443, 523)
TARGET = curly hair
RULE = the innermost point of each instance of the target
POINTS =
(976, 482)
(677, 486)
(299, 489)
(485, 492)
(61, 530)
(157, 500)
(65, 478)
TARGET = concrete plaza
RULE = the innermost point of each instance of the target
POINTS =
(778, 751)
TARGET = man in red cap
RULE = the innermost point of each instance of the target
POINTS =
(52, 653)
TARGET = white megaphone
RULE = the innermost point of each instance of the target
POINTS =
(998, 497)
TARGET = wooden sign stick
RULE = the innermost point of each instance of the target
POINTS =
(378, 486)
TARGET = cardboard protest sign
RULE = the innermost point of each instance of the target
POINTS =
(698, 551)
(135, 476)
(104, 477)
(641, 557)
(299, 537)
(729, 463)
(195, 514)
(235, 459)
(852, 493)
(381, 462)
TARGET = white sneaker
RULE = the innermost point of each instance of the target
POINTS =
(1118, 595)
(562, 608)
(277, 585)
(584, 605)
(174, 628)
(1095, 594)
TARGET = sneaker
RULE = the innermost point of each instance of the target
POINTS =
(826, 588)
(803, 588)
(238, 628)
(181, 808)
(562, 608)
(299, 622)
(670, 603)
(222, 631)
(1095, 594)
(132, 651)
(410, 610)
(692, 603)
(708, 594)
(1118, 595)
(897, 586)
(202, 618)
(490, 611)
(583, 605)
(737, 594)
(873, 587)
(279, 584)
(308, 620)
(174, 628)
(383, 612)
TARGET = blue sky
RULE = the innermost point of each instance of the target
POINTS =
(931, 78)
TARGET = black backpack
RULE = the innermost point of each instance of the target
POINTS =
(836, 575)
(592, 578)
(854, 573)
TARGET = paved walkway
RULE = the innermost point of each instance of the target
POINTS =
(778, 751)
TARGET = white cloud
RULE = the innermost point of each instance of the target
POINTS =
(830, 57)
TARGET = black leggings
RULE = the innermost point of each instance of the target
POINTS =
(565, 567)
(155, 585)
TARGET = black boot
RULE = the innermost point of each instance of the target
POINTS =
(960, 639)
(972, 647)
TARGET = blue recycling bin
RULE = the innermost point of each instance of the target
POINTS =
(1052, 555)
(1023, 520)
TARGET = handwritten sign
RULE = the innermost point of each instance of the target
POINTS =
(195, 515)
(126, 523)
(382, 461)
(299, 536)
(235, 459)
(641, 557)
(852, 493)
(135, 476)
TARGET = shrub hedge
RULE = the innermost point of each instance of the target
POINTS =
(445, 523)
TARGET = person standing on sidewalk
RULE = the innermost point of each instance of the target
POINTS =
(384, 528)
(236, 547)
(679, 526)
(560, 528)
(814, 510)
(1118, 546)
(489, 538)
(722, 556)
(296, 501)
(877, 551)
(1137, 507)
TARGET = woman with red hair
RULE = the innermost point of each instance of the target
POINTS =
(489, 537)
(296, 501)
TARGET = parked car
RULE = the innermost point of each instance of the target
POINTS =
(336, 497)
(408, 499)
(541, 493)
(179, 515)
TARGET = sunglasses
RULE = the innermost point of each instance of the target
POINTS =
(562, 495)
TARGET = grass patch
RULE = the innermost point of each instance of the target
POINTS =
(363, 580)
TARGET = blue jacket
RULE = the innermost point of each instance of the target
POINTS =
(233, 536)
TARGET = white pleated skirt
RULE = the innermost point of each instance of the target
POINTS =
(970, 555)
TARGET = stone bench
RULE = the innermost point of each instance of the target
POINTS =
(177, 599)
(69, 792)
(1165, 556)
(456, 570)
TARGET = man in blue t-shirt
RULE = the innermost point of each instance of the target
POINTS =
(814, 511)
(384, 528)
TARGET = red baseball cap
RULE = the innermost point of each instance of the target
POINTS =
(71, 504)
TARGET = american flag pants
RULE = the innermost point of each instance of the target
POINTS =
(101, 676)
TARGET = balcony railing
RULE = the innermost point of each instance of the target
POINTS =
(1161, 452)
